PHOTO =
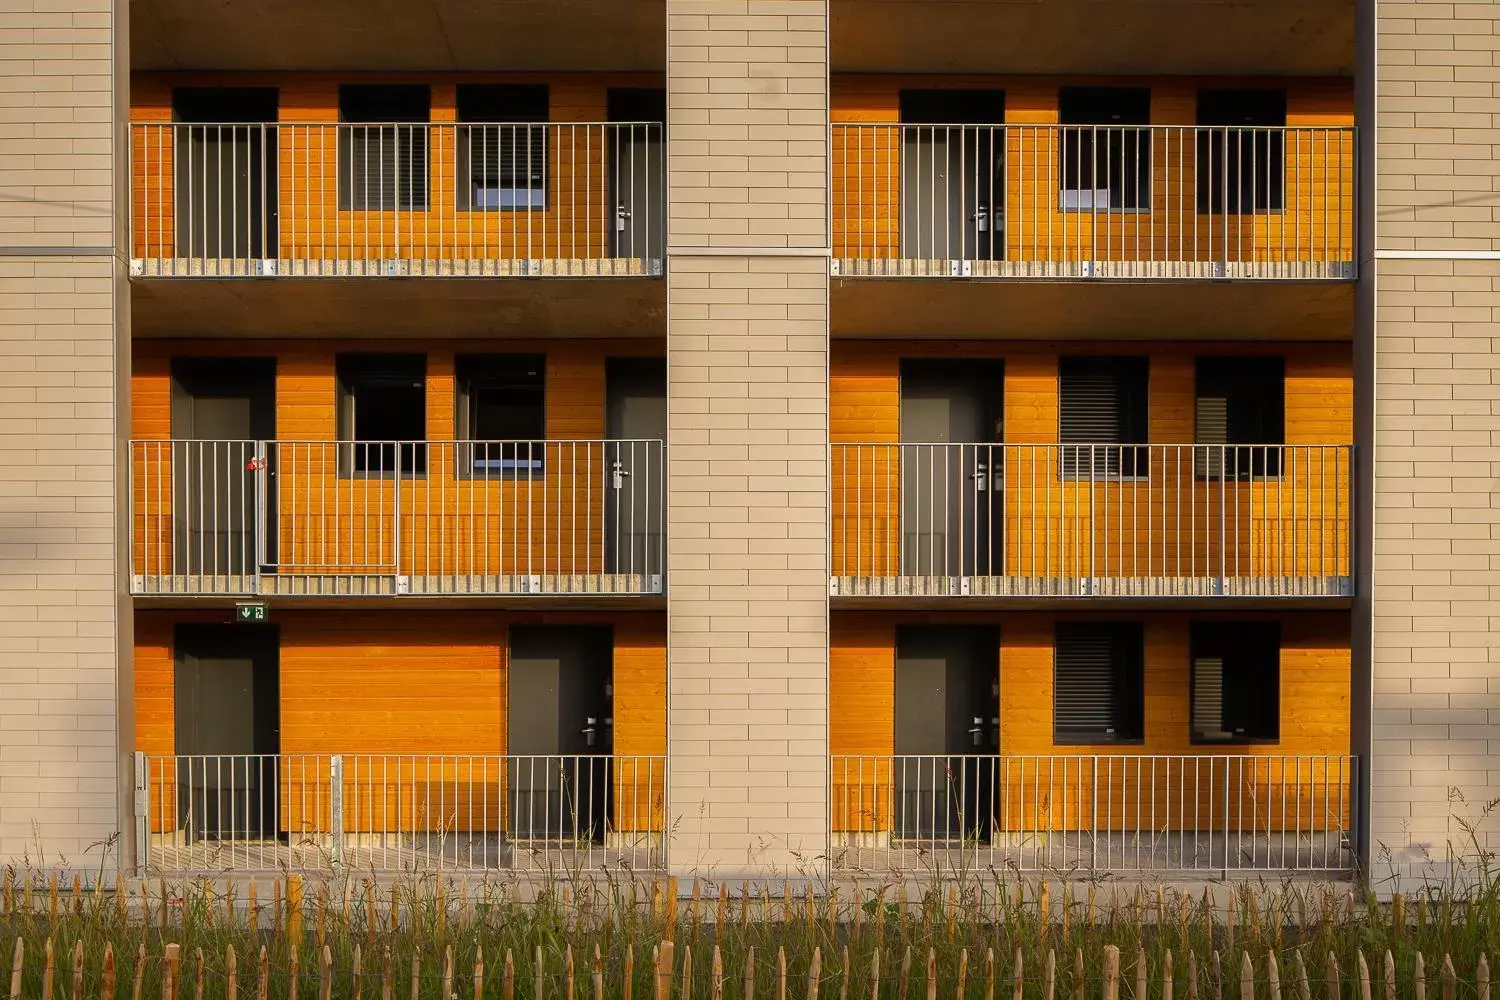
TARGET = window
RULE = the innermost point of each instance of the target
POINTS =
(1098, 693)
(382, 413)
(383, 147)
(502, 165)
(502, 411)
(1240, 401)
(1236, 682)
(1106, 167)
(1103, 406)
(1242, 153)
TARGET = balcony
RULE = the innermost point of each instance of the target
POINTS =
(397, 200)
(399, 812)
(425, 518)
(1080, 520)
(1082, 814)
(1093, 202)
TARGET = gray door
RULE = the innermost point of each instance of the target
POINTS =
(952, 193)
(635, 515)
(951, 468)
(223, 412)
(561, 731)
(225, 162)
(227, 712)
(637, 173)
(947, 730)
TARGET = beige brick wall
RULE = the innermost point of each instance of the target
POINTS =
(747, 349)
(58, 595)
(1436, 560)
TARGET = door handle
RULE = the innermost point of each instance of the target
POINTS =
(981, 219)
(622, 215)
(618, 475)
(981, 478)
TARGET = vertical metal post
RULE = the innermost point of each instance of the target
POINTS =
(336, 806)
(140, 800)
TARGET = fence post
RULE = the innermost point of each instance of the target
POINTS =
(141, 803)
(336, 806)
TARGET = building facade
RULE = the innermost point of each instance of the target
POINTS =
(749, 436)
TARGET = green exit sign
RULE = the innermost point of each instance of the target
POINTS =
(249, 612)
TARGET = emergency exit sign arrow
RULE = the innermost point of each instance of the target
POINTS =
(250, 612)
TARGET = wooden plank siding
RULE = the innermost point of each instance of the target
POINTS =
(866, 165)
(483, 539)
(423, 684)
(578, 218)
(1314, 705)
(865, 404)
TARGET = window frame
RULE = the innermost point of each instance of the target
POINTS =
(1250, 461)
(1072, 465)
(1220, 107)
(1239, 637)
(469, 367)
(349, 368)
(401, 129)
(531, 123)
(1128, 679)
(1077, 156)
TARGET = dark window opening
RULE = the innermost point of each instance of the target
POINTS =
(382, 413)
(1106, 165)
(502, 163)
(383, 145)
(225, 105)
(1240, 402)
(502, 414)
(1098, 682)
(1241, 151)
(1103, 410)
(1236, 682)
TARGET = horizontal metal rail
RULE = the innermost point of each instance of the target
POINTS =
(392, 198)
(399, 812)
(1075, 201)
(1090, 813)
(1058, 520)
(351, 518)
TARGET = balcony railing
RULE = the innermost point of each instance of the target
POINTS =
(389, 812)
(310, 200)
(1083, 813)
(351, 518)
(1081, 201)
(1075, 520)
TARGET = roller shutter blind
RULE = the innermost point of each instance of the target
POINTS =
(382, 147)
(1097, 683)
(501, 161)
(1236, 682)
(1102, 404)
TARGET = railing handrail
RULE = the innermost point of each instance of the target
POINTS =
(1060, 126)
(1075, 444)
(385, 124)
(601, 440)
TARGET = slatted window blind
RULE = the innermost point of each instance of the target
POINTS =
(1236, 682)
(1098, 694)
(383, 147)
(1103, 405)
(502, 162)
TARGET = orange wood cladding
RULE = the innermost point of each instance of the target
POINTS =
(1319, 172)
(1314, 695)
(418, 683)
(306, 411)
(865, 406)
(311, 225)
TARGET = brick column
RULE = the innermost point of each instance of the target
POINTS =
(1436, 558)
(61, 773)
(747, 348)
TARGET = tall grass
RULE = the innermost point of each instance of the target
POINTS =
(970, 928)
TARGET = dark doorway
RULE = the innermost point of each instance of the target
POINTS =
(637, 171)
(637, 428)
(225, 172)
(953, 174)
(561, 731)
(227, 718)
(947, 730)
(223, 475)
(952, 467)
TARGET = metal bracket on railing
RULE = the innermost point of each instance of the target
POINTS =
(267, 268)
(960, 268)
(137, 267)
(833, 586)
(336, 806)
(656, 587)
(403, 585)
(833, 267)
